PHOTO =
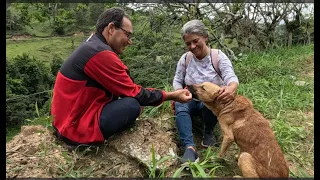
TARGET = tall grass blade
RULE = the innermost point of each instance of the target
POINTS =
(177, 173)
(200, 170)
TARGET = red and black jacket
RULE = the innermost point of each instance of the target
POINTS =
(91, 77)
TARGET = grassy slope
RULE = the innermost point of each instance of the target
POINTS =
(43, 48)
(267, 78)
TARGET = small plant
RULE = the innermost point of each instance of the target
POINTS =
(205, 169)
(153, 168)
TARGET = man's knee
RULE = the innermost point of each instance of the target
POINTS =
(132, 104)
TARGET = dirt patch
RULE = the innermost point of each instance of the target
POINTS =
(81, 34)
(308, 67)
(35, 152)
(33, 147)
(21, 37)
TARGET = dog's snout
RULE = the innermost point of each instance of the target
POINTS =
(189, 87)
(193, 91)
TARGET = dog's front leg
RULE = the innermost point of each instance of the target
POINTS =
(227, 138)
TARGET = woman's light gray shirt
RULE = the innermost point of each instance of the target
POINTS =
(199, 71)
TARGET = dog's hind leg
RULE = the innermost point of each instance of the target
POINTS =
(247, 165)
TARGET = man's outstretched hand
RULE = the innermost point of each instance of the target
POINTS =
(180, 95)
(183, 95)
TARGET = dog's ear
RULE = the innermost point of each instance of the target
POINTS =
(214, 94)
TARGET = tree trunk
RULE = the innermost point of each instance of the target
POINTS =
(55, 12)
(309, 38)
(289, 39)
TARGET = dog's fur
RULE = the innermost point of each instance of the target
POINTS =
(260, 153)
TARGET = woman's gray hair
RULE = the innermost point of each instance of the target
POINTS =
(194, 27)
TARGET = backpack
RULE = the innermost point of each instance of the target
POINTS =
(214, 60)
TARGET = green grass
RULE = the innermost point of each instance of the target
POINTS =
(268, 79)
(43, 48)
(274, 63)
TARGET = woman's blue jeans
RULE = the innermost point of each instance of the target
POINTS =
(184, 112)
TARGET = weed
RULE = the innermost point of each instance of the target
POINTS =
(205, 168)
(153, 168)
(72, 169)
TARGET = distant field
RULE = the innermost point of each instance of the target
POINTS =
(42, 48)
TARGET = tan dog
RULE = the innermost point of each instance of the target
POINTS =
(260, 153)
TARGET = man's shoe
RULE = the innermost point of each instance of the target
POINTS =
(189, 155)
(209, 140)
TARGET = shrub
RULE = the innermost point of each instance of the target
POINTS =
(25, 78)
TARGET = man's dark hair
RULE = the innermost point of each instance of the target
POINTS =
(114, 15)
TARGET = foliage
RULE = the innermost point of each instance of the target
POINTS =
(17, 16)
(205, 168)
(95, 9)
(26, 77)
(56, 64)
(153, 168)
(233, 29)
(81, 14)
(63, 19)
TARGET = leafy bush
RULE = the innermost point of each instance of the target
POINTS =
(25, 78)
(17, 16)
(55, 65)
(64, 19)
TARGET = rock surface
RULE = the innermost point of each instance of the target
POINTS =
(35, 152)
(138, 142)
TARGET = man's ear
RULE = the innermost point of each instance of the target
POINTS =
(110, 28)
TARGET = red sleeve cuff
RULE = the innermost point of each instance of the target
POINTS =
(163, 98)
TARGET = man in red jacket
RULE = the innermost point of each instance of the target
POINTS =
(94, 96)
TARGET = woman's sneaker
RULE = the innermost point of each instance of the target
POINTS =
(189, 155)
(209, 140)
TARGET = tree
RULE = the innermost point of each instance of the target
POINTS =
(17, 16)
